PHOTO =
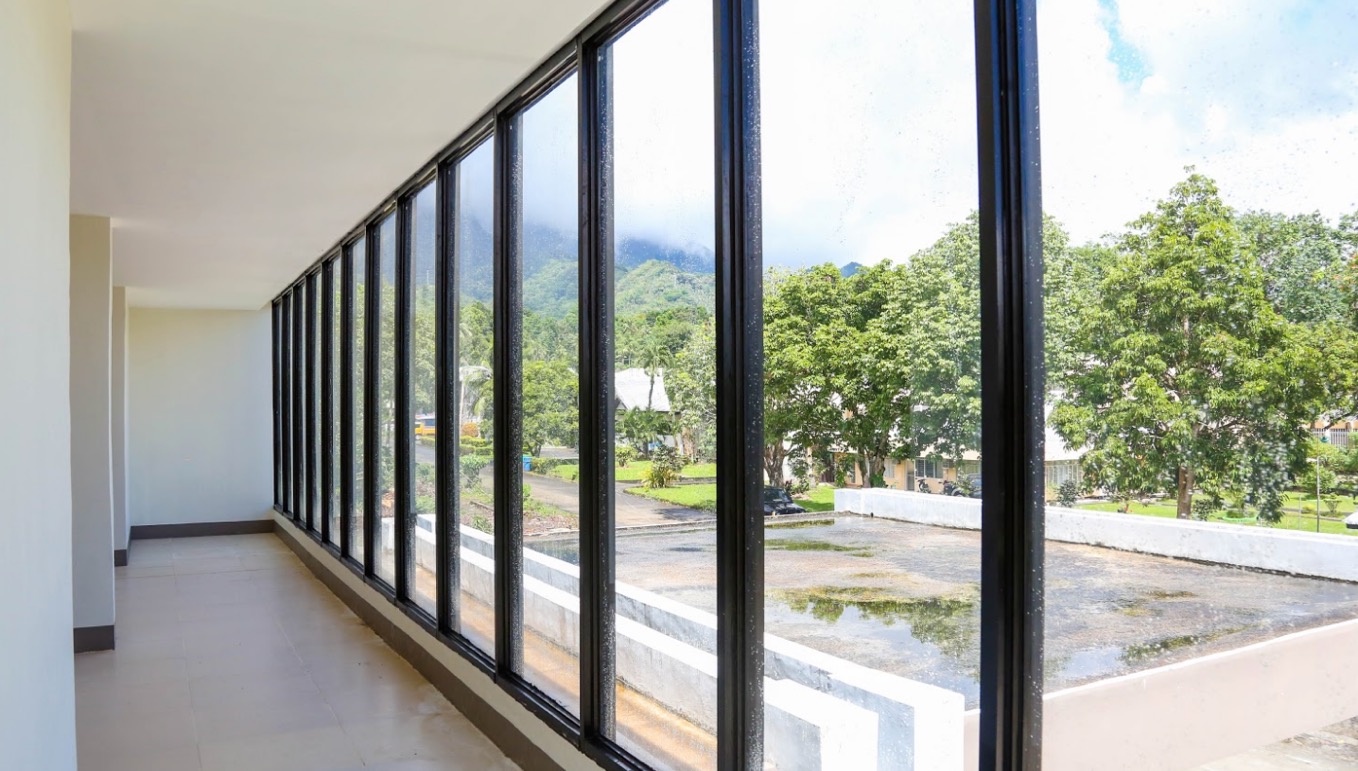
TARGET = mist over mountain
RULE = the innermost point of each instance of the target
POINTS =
(648, 275)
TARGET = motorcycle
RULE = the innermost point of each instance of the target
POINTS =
(952, 488)
(923, 486)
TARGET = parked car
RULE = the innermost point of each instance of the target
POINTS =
(971, 483)
(777, 502)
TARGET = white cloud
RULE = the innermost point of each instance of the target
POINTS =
(869, 118)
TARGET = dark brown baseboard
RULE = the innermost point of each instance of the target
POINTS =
(120, 558)
(93, 638)
(496, 726)
(200, 529)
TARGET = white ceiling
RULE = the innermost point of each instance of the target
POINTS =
(232, 141)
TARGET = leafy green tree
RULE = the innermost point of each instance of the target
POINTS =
(1304, 260)
(691, 382)
(874, 412)
(641, 428)
(551, 405)
(423, 362)
(1186, 372)
(803, 323)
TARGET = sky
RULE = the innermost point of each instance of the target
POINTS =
(868, 119)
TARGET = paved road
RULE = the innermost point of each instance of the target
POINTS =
(629, 510)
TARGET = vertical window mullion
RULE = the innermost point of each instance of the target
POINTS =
(404, 419)
(299, 480)
(507, 409)
(1011, 384)
(372, 308)
(346, 333)
(309, 397)
(275, 354)
(285, 397)
(327, 397)
(740, 394)
(598, 686)
(448, 537)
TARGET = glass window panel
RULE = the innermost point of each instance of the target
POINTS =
(385, 541)
(299, 404)
(551, 409)
(423, 368)
(476, 435)
(276, 384)
(313, 396)
(1197, 175)
(664, 378)
(358, 259)
(336, 367)
(871, 369)
(285, 396)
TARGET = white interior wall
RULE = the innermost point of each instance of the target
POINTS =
(37, 690)
(91, 421)
(200, 442)
(121, 527)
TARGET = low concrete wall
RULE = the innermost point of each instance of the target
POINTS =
(1194, 712)
(821, 711)
(1283, 551)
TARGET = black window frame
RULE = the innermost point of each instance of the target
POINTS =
(1012, 386)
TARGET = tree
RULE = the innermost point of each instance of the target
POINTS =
(803, 322)
(1305, 262)
(1185, 372)
(874, 411)
(691, 382)
(642, 428)
(551, 405)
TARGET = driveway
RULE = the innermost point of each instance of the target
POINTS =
(629, 510)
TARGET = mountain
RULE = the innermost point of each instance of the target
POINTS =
(634, 252)
(850, 269)
(649, 276)
(657, 285)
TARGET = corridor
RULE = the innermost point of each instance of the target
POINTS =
(231, 655)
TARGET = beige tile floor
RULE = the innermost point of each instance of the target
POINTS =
(231, 655)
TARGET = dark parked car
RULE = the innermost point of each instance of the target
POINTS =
(777, 501)
(972, 484)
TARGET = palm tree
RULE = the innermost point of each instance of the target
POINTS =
(652, 358)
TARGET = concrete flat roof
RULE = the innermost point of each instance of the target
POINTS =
(905, 598)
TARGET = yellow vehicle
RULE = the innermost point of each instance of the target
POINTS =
(424, 425)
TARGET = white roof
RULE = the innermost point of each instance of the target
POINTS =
(631, 387)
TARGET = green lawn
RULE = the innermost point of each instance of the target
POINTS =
(704, 496)
(821, 498)
(1294, 502)
(1302, 522)
(636, 471)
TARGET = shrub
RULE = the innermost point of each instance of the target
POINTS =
(624, 454)
(424, 504)
(470, 430)
(1204, 507)
(1067, 493)
(1331, 504)
(471, 469)
(544, 465)
(482, 522)
(665, 467)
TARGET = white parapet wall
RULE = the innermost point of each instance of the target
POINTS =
(1283, 551)
(1193, 712)
(821, 712)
